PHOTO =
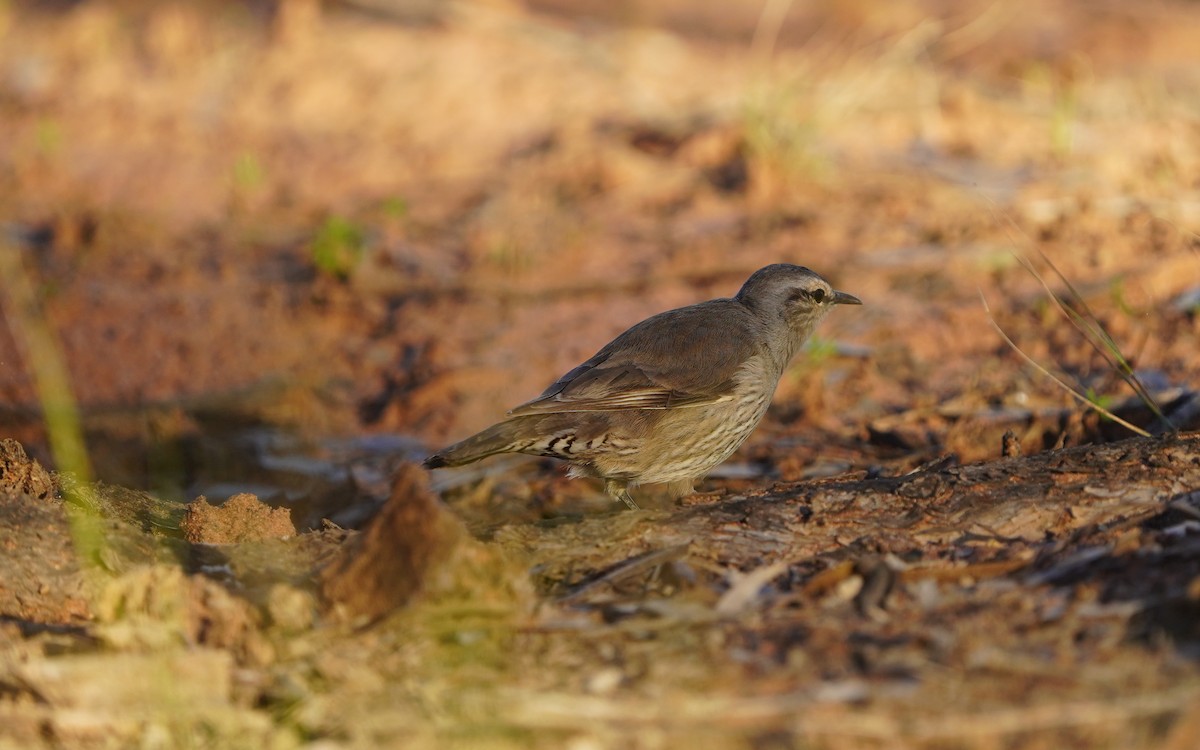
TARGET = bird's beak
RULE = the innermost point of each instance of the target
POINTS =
(841, 298)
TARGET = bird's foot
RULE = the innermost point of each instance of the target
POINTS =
(618, 491)
(626, 498)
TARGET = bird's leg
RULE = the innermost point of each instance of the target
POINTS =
(684, 492)
(620, 491)
(681, 488)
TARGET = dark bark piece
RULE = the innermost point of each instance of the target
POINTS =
(24, 474)
(1027, 498)
(383, 567)
(41, 581)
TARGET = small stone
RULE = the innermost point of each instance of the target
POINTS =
(1011, 445)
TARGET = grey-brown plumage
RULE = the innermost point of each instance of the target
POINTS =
(673, 396)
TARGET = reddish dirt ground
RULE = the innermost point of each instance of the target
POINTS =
(285, 248)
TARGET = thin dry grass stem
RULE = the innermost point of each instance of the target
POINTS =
(766, 33)
(560, 710)
(976, 32)
(1044, 717)
(1095, 334)
(624, 569)
(1074, 394)
(1194, 245)
(1089, 326)
(39, 345)
(746, 587)
(44, 359)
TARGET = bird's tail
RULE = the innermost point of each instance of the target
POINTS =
(505, 437)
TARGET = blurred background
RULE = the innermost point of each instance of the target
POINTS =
(280, 246)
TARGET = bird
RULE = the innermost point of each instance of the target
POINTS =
(672, 397)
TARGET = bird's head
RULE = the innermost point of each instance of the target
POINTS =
(792, 295)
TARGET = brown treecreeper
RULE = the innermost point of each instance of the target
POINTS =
(672, 397)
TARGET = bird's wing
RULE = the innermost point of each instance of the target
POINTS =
(613, 389)
(685, 358)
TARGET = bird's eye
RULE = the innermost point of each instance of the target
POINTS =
(811, 295)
